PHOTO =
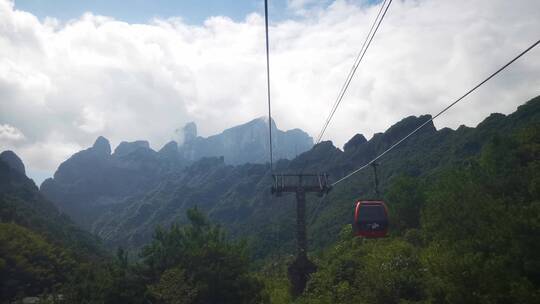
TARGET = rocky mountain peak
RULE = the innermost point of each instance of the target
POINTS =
(102, 146)
(169, 150)
(170, 147)
(190, 131)
(259, 123)
(407, 125)
(355, 142)
(125, 148)
(246, 143)
(13, 161)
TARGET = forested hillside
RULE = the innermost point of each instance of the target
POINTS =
(238, 197)
(464, 211)
(91, 181)
(44, 257)
(39, 247)
(466, 234)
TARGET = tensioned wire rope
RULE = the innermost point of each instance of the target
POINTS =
(268, 85)
(375, 159)
(438, 114)
(367, 42)
(277, 225)
(358, 59)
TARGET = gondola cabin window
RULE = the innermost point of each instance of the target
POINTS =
(370, 219)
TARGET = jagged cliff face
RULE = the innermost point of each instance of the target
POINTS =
(239, 196)
(144, 189)
(247, 143)
(91, 180)
(22, 204)
(13, 161)
(94, 178)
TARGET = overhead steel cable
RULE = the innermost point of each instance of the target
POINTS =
(365, 45)
(438, 114)
(268, 85)
(356, 60)
(367, 42)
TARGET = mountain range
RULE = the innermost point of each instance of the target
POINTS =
(123, 196)
(22, 205)
(463, 206)
(246, 143)
(94, 179)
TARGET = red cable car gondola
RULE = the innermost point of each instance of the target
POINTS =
(370, 219)
(371, 216)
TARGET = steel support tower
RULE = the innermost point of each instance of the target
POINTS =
(300, 184)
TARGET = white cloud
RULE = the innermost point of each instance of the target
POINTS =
(44, 154)
(62, 85)
(93, 121)
(10, 134)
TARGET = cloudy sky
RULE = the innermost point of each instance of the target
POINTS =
(72, 71)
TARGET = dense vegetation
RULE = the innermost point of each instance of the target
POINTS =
(190, 264)
(39, 247)
(468, 234)
(29, 265)
(43, 254)
(464, 208)
(238, 197)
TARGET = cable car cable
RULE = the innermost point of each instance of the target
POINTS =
(376, 180)
(268, 85)
(318, 208)
(365, 45)
(360, 56)
(438, 114)
(353, 69)
(356, 60)
(367, 42)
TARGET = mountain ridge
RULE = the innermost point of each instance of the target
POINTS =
(22, 204)
(245, 143)
(93, 178)
(238, 195)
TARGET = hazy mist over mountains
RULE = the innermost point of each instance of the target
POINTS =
(136, 199)
(122, 195)
(196, 152)
(94, 74)
(99, 177)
